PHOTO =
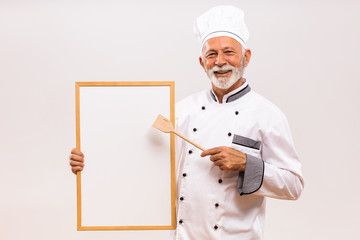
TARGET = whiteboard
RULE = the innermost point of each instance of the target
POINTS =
(128, 182)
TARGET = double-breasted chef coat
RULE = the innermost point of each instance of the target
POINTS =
(224, 205)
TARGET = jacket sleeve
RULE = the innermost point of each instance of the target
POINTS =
(278, 173)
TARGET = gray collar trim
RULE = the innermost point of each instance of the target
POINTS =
(235, 96)
(239, 94)
(212, 95)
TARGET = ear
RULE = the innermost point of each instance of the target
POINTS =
(202, 63)
(247, 57)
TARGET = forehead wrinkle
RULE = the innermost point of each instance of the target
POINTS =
(229, 43)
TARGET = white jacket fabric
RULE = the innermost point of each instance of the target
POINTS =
(213, 204)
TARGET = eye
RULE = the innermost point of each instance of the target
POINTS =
(211, 55)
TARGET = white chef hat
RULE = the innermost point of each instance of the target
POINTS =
(221, 21)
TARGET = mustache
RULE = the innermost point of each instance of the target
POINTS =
(222, 68)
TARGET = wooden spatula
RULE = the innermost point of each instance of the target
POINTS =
(164, 125)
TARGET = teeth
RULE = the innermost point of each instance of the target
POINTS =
(222, 71)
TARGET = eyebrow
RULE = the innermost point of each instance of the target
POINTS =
(227, 48)
(223, 49)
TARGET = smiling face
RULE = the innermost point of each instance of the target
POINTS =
(224, 60)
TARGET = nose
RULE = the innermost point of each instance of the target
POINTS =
(220, 60)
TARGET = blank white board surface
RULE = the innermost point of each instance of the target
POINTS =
(127, 182)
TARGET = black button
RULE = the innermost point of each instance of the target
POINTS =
(190, 151)
(203, 107)
(220, 180)
(216, 227)
(229, 134)
(184, 174)
(181, 221)
(236, 112)
(181, 198)
(194, 129)
(216, 205)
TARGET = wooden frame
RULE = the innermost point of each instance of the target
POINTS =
(80, 89)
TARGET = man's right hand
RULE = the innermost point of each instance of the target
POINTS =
(76, 160)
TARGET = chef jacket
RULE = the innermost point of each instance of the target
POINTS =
(225, 205)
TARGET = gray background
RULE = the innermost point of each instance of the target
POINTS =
(305, 57)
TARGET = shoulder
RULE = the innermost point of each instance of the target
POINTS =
(265, 108)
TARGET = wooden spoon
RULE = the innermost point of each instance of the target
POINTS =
(164, 125)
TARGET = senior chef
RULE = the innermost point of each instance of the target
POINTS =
(250, 149)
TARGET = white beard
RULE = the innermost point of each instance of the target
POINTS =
(224, 82)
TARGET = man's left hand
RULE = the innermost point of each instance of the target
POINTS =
(226, 158)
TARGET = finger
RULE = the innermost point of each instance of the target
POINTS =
(219, 163)
(211, 151)
(76, 163)
(75, 157)
(75, 169)
(223, 165)
(77, 152)
(216, 157)
(225, 168)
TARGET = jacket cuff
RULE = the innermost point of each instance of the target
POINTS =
(252, 178)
